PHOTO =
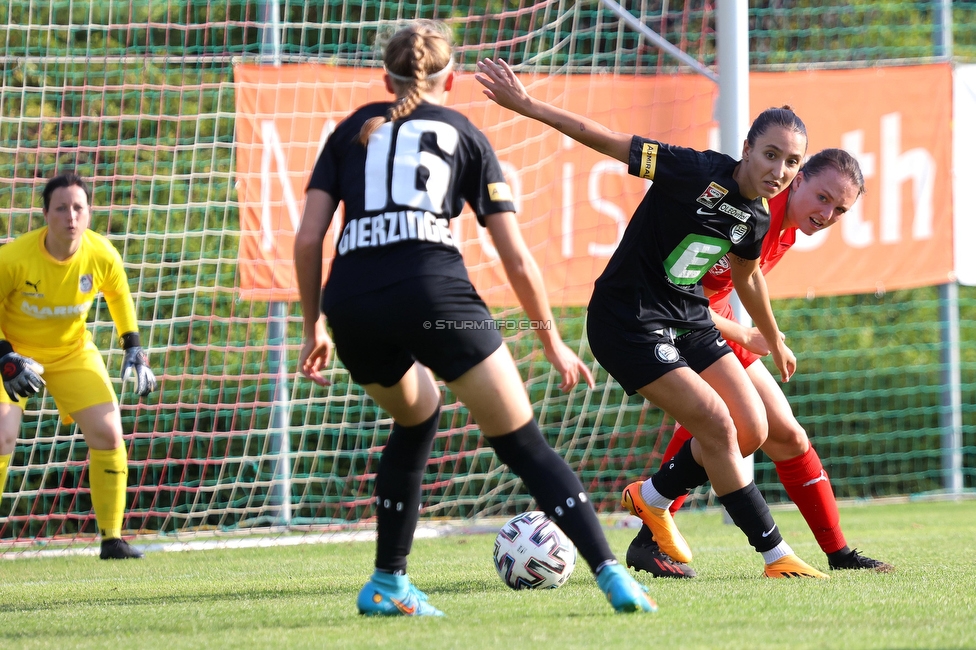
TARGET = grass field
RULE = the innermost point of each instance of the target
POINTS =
(304, 596)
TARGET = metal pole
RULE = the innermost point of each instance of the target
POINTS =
(280, 494)
(951, 416)
(943, 28)
(732, 36)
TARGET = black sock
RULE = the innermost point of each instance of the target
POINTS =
(680, 475)
(556, 489)
(398, 480)
(644, 536)
(748, 510)
(839, 555)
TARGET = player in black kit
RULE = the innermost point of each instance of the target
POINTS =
(648, 322)
(400, 305)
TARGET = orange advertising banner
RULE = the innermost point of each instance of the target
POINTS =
(898, 123)
(573, 203)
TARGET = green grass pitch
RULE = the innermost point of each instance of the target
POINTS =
(304, 596)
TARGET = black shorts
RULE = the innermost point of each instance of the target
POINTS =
(635, 359)
(440, 321)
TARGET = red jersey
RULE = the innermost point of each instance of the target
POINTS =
(775, 244)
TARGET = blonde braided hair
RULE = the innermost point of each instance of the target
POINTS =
(415, 57)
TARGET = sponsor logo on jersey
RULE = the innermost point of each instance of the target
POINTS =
(738, 232)
(500, 192)
(36, 293)
(712, 195)
(741, 215)
(392, 227)
(666, 353)
(648, 161)
(85, 284)
(721, 266)
(60, 311)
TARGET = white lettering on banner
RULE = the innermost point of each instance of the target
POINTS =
(605, 207)
(567, 222)
(895, 168)
(856, 232)
(327, 130)
(596, 201)
(272, 150)
(916, 165)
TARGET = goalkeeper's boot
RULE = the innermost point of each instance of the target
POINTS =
(393, 595)
(647, 556)
(623, 592)
(119, 549)
(790, 566)
(659, 520)
(851, 559)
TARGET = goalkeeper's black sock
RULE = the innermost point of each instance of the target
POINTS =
(556, 489)
(680, 475)
(398, 481)
(748, 510)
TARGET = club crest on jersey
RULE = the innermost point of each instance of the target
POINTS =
(738, 232)
(85, 284)
(721, 266)
(666, 352)
(499, 192)
(712, 195)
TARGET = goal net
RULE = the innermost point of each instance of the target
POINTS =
(146, 100)
(197, 124)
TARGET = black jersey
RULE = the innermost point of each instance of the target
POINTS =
(400, 193)
(691, 216)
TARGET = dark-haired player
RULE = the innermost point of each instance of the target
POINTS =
(648, 322)
(825, 189)
(49, 279)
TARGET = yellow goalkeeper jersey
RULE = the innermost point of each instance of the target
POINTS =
(44, 302)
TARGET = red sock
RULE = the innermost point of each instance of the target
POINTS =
(678, 440)
(807, 485)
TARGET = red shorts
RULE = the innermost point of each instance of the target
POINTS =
(745, 357)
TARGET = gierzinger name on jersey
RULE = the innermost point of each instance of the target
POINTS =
(391, 227)
(60, 311)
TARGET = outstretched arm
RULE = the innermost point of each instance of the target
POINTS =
(750, 285)
(505, 89)
(526, 280)
(319, 209)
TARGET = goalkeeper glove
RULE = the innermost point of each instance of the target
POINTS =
(136, 362)
(21, 375)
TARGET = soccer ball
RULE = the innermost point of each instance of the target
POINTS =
(531, 552)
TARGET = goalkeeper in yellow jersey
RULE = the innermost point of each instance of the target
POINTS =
(49, 279)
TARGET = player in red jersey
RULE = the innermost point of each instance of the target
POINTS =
(826, 188)
(648, 321)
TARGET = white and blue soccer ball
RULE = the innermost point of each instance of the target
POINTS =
(531, 552)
